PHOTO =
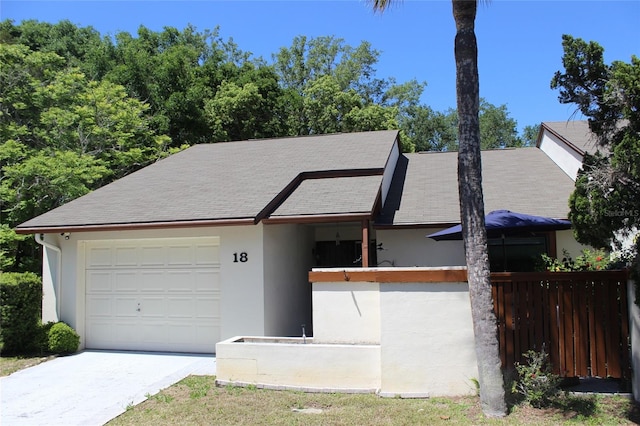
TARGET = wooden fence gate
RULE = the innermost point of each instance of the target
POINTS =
(580, 318)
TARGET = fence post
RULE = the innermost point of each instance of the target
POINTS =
(634, 334)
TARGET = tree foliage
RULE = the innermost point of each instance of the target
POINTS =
(605, 207)
(79, 110)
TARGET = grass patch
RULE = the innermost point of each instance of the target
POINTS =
(197, 401)
(11, 364)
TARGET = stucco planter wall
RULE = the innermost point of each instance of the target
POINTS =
(398, 331)
(281, 364)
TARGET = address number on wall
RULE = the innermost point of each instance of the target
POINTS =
(240, 257)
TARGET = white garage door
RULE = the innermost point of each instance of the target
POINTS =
(153, 294)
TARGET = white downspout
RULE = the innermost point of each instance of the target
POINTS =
(40, 240)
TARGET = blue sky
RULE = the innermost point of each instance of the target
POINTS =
(519, 41)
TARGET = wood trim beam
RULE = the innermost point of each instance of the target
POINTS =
(317, 219)
(365, 243)
(390, 276)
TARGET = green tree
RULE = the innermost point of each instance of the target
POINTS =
(62, 136)
(330, 87)
(438, 131)
(492, 394)
(529, 135)
(497, 129)
(605, 207)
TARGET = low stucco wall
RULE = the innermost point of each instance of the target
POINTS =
(427, 339)
(346, 314)
(401, 331)
(308, 366)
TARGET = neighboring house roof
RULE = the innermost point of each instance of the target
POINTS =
(235, 182)
(424, 190)
(575, 134)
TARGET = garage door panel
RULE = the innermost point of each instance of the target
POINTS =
(179, 281)
(153, 294)
(99, 257)
(207, 255)
(151, 281)
(100, 333)
(153, 307)
(180, 256)
(126, 256)
(125, 281)
(125, 307)
(181, 307)
(154, 333)
(207, 308)
(207, 281)
(98, 281)
(99, 307)
(152, 256)
(205, 331)
(181, 334)
(125, 332)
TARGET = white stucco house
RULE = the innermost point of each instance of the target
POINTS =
(218, 240)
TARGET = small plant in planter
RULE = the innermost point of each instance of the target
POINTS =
(63, 339)
(536, 382)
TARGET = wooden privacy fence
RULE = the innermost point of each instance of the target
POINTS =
(580, 319)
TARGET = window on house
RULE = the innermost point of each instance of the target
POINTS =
(517, 254)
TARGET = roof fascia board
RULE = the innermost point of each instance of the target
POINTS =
(133, 226)
(307, 219)
(415, 225)
(560, 137)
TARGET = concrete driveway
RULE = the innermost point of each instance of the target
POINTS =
(92, 387)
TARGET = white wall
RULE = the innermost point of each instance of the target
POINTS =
(566, 241)
(242, 307)
(427, 346)
(50, 278)
(344, 314)
(411, 247)
(566, 158)
(288, 257)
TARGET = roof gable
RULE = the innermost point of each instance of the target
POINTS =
(575, 134)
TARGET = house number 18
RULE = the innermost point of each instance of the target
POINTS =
(240, 257)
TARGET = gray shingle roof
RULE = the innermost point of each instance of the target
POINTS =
(343, 195)
(226, 181)
(575, 134)
(525, 180)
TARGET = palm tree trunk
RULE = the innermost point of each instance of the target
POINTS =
(492, 395)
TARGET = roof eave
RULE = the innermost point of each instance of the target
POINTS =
(559, 136)
(133, 226)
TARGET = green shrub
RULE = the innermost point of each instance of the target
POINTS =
(63, 339)
(43, 337)
(536, 382)
(20, 312)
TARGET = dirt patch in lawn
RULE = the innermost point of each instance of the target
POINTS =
(11, 364)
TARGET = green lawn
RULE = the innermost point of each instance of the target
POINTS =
(197, 401)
